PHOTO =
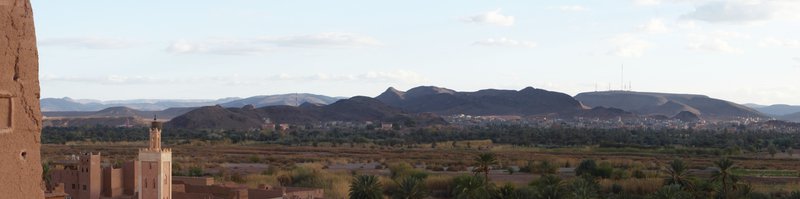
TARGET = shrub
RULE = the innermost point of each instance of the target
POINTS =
(616, 188)
(586, 167)
(403, 170)
(545, 167)
(196, 171)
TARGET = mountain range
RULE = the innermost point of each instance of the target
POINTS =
(69, 104)
(355, 109)
(284, 99)
(667, 104)
(776, 110)
(419, 105)
(443, 101)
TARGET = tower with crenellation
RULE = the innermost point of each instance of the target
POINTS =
(155, 167)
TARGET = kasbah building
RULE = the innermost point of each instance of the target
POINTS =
(150, 177)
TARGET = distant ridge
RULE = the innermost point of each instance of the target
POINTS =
(282, 99)
(69, 104)
(794, 117)
(777, 109)
(668, 104)
(111, 112)
(443, 101)
(355, 109)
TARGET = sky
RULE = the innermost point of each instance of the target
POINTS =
(745, 51)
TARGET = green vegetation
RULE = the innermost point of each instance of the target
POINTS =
(366, 187)
(672, 141)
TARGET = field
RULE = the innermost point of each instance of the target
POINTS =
(640, 170)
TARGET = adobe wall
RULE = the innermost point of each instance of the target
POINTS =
(112, 182)
(20, 116)
(205, 181)
(129, 178)
(69, 178)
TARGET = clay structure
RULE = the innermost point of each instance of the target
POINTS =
(20, 116)
(155, 167)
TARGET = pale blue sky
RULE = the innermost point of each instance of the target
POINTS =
(740, 50)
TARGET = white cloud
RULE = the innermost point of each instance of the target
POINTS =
(713, 45)
(646, 2)
(775, 42)
(716, 41)
(687, 24)
(504, 42)
(217, 46)
(572, 8)
(88, 42)
(745, 11)
(654, 26)
(109, 79)
(797, 65)
(629, 45)
(263, 45)
(401, 76)
(327, 39)
(396, 76)
(659, 2)
(491, 18)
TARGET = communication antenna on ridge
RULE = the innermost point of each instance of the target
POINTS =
(622, 77)
(296, 101)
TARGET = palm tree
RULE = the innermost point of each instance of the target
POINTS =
(724, 176)
(471, 187)
(582, 188)
(46, 174)
(507, 191)
(549, 187)
(678, 174)
(411, 188)
(484, 162)
(366, 187)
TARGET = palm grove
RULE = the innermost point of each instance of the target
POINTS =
(678, 183)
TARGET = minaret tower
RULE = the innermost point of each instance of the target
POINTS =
(155, 167)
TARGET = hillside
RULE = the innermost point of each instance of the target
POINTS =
(443, 101)
(667, 104)
(356, 109)
(283, 99)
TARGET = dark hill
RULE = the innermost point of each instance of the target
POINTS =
(442, 101)
(603, 113)
(686, 116)
(667, 104)
(356, 109)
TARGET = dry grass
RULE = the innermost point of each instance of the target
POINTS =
(633, 185)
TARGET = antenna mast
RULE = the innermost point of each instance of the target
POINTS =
(622, 77)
